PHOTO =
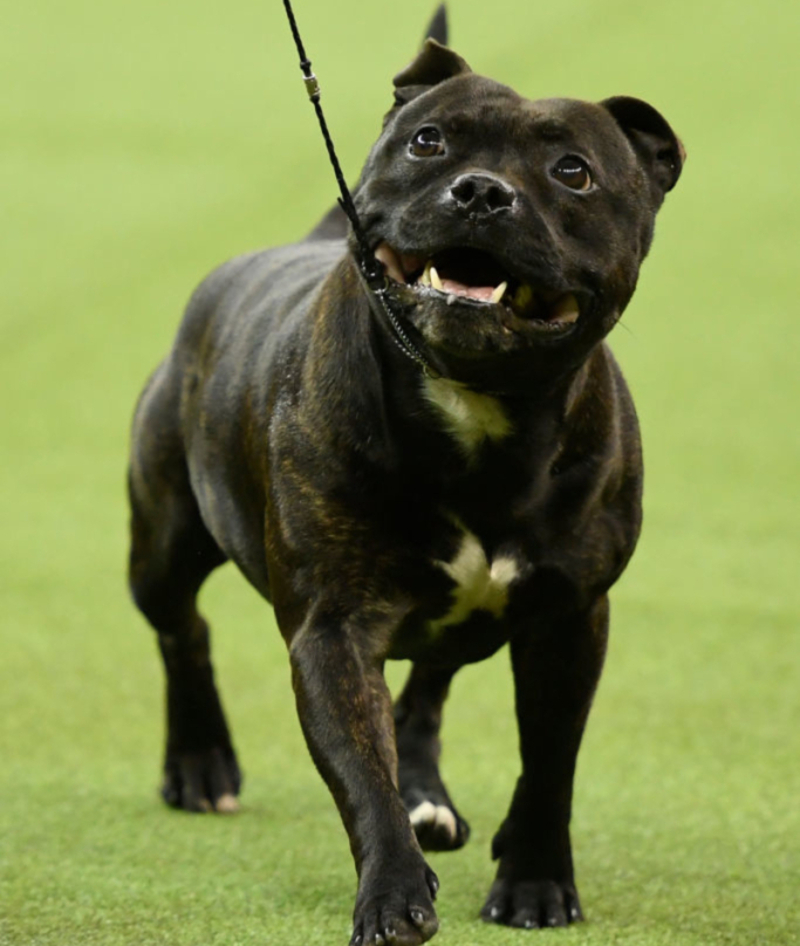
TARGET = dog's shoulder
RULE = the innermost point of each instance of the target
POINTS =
(255, 291)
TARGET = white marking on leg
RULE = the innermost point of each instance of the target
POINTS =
(438, 816)
(447, 820)
(424, 813)
(469, 416)
(227, 804)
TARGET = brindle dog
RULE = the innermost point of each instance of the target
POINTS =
(434, 515)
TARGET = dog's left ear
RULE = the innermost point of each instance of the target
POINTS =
(654, 141)
(433, 65)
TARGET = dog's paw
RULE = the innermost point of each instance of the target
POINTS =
(532, 904)
(395, 911)
(202, 781)
(438, 826)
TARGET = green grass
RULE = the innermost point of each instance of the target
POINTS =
(144, 143)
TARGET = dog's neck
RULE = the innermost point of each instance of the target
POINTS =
(451, 425)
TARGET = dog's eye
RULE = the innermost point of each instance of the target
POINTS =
(573, 172)
(427, 143)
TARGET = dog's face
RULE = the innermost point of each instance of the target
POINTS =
(511, 229)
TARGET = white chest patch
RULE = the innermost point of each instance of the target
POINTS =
(469, 416)
(479, 584)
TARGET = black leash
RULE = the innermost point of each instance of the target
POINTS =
(369, 265)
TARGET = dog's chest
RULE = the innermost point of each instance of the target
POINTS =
(481, 583)
(470, 418)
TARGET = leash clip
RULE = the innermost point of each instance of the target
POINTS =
(312, 87)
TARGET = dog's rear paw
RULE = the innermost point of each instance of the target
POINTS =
(438, 826)
(400, 912)
(202, 781)
(532, 904)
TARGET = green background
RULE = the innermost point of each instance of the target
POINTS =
(140, 145)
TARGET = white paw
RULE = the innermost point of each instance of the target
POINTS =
(227, 804)
(438, 816)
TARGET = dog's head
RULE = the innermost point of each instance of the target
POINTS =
(511, 231)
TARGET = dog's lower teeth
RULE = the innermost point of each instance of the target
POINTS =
(523, 297)
(498, 294)
(566, 309)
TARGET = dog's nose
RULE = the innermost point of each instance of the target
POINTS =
(481, 195)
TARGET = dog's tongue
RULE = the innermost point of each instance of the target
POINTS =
(455, 288)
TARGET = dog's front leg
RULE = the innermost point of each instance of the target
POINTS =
(556, 670)
(346, 713)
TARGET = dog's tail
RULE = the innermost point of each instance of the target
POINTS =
(335, 225)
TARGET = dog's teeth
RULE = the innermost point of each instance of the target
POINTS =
(435, 280)
(498, 294)
(523, 296)
(451, 298)
(566, 309)
(386, 255)
(425, 278)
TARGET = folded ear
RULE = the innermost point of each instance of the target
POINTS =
(659, 149)
(433, 65)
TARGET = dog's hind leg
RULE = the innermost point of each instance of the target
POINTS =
(418, 719)
(172, 553)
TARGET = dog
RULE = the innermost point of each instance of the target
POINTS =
(428, 474)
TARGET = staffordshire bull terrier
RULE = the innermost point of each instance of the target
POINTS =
(462, 475)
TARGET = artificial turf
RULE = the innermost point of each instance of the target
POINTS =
(144, 143)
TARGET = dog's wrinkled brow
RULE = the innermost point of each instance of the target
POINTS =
(550, 130)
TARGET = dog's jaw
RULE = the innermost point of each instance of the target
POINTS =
(474, 277)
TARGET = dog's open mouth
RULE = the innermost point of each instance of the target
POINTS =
(466, 273)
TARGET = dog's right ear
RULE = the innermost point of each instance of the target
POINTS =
(437, 28)
(433, 65)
